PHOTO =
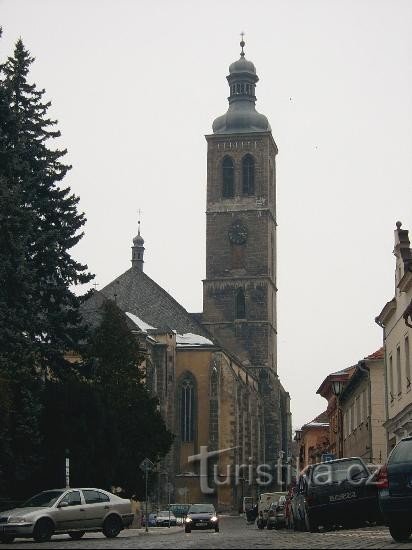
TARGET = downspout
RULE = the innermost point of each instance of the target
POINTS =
(366, 371)
(385, 370)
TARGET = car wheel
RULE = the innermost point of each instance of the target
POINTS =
(400, 533)
(43, 530)
(76, 535)
(112, 527)
(6, 539)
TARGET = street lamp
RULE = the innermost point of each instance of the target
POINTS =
(337, 389)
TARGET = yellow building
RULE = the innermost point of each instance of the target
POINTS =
(397, 334)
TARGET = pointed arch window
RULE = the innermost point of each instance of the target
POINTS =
(248, 173)
(240, 304)
(188, 403)
(228, 173)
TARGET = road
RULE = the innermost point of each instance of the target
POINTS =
(234, 533)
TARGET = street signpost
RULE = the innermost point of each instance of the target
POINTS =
(146, 465)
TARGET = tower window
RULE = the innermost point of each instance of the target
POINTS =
(187, 409)
(228, 172)
(240, 304)
(248, 172)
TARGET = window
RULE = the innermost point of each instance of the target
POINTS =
(240, 304)
(72, 498)
(94, 497)
(228, 173)
(248, 172)
(187, 409)
(407, 363)
(398, 369)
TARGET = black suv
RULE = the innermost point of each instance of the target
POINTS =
(339, 492)
(395, 490)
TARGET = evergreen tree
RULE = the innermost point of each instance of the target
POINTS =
(39, 224)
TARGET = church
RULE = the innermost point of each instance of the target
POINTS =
(215, 373)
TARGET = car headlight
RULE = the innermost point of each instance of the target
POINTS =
(213, 518)
(188, 520)
(17, 519)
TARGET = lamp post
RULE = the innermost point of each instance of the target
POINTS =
(337, 388)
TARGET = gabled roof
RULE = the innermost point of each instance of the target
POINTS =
(379, 354)
(136, 293)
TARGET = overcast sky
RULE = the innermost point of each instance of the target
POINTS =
(136, 85)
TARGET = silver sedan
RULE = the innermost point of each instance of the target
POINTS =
(71, 511)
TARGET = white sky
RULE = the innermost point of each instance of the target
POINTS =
(136, 85)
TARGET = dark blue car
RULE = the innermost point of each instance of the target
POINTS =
(395, 490)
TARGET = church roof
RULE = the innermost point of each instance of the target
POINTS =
(137, 294)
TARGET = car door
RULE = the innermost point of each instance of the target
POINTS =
(97, 504)
(70, 512)
(400, 470)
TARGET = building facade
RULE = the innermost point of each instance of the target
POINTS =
(215, 373)
(362, 404)
(396, 322)
(313, 441)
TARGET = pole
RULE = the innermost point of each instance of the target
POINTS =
(147, 517)
(168, 495)
(67, 469)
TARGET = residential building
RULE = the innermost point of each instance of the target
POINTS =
(397, 337)
(313, 441)
(327, 390)
(362, 404)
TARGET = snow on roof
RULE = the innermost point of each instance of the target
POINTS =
(139, 323)
(190, 339)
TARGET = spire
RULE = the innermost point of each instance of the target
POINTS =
(138, 249)
(242, 44)
(241, 116)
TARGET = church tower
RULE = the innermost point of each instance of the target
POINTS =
(239, 292)
(239, 297)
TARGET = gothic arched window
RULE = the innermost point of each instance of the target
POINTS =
(248, 173)
(187, 409)
(228, 173)
(240, 304)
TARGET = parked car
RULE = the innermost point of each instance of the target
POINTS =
(335, 493)
(394, 483)
(164, 519)
(265, 500)
(180, 511)
(276, 516)
(202, 516)
(71, 511)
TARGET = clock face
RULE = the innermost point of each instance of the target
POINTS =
(237, 233)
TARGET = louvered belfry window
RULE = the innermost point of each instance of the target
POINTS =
(228, 176)
(248, 173)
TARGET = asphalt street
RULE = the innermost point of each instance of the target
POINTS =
(234, 533)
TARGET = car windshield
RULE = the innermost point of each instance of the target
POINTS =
(42, 500)
(335, 472)
(202, 509)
